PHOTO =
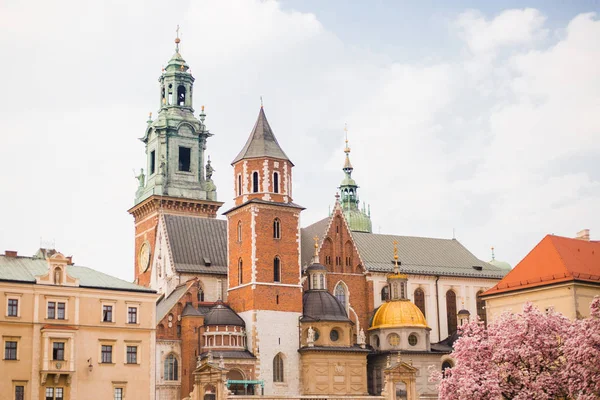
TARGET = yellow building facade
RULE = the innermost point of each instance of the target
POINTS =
(70, 332)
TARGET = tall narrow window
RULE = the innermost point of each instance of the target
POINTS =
(132, 354)
(10, 350)
(107, 313)
(132, 315)
(276, 270)
(340, 293)
(278, 368)
(171, 368)
(19, 392)
(49, 393)
(58, 351)
(51, 309)
(276, 182)
(239, 231)
(255, 182)
(118, 393)
(60, 310)
(13, 307)
(239, 185)
(385, 293)
(481, 308)
(420, 300)
(184, 158)
(451, 311)
(240, 272)
(106, 352)
(181, 95)
(152, 162)
(276, 229)
(170, 97)
(200, 293)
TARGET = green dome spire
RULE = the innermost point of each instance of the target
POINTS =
(358, 220)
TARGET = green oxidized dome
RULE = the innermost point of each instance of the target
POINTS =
(500, 264)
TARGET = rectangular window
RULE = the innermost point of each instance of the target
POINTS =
(118, 393)
(184, 158)
(19, 392)
(60, 310)
(58, 392)
(58, 351)
(107, 313)
(152, 161)
(13, 307)
(106, 354)
(51, 310)
(10, 350)
(132, 315)
(131, 354)
(49, 393)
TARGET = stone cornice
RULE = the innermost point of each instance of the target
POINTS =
(175, 205)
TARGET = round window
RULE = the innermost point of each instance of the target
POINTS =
(394, 340)
(412, 339)
(334, 335)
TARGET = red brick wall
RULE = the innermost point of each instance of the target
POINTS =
(257, 164)
(145, 229)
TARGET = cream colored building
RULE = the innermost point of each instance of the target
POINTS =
(70, 332)
(562, 274)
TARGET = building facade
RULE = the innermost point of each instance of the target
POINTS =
(69, 332)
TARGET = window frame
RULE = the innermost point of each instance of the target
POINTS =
(255, 182)
(113, 305)
(10, 307)
(239, 231)
(276, 182)
(276, 228)
(180, 164)
(240, 272)
(278, 369)
(19, 384)
(136, 308)
(58, 350)
(277, 269)
(128, 360)
(8, 351)
(171, 368)
(239, 185)
(106, 353)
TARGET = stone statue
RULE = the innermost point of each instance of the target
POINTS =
(161, 166)
(311, 337)
(198, 361)
(221, 362)
(209, 170)
(141, 178)
(361, 338)
(210, 357)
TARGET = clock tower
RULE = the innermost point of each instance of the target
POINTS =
(177, 178)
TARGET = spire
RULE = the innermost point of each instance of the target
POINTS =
(262, 142)
(347, 165)
(397, 280)
(493, 256)
(316, 255)
(177, 40)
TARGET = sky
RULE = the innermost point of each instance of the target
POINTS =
(473, 119)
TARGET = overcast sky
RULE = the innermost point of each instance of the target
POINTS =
(485, 121)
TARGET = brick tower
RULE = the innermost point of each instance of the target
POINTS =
(264, 258)
(175, 181)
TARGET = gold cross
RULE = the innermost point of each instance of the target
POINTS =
(316, 239)
(395, 250)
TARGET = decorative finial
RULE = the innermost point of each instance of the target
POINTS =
(177, 40)
(202, 108)
(399, 357)
(493, 256)
(316, 239)
(347, 148)
(396, 270)
(182, 67)
(149, 117)
(261, 102)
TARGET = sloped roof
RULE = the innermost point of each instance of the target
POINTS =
(320, 305)
(221, 314)
(262, 142)
(25, 269)
(555, 259)
(198, 245)
(420, 255)
(307, 241)
(166, 304)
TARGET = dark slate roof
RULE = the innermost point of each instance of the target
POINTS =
(223, 315)
(307, 235)
(419, 255)
(316, 267)
(320, 305)
(189, 310)
(166, 304)
(262, 142)
(227, 354)
(26, 269)
(198, 245)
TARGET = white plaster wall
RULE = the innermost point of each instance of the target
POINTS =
(166, 390)
(277, 332)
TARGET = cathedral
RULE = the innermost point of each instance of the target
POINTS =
(272, 307)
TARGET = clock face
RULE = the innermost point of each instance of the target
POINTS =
(144, 257)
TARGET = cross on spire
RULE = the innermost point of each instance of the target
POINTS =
(177, 40)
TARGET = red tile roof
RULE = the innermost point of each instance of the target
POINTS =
(555, 259)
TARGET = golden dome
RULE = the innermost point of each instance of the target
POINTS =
(396, 314)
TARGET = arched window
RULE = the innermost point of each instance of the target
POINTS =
(451, 311)
(276, 270)
(239, 185)
(385, 293)
(276, 182)
(276, 229)
(481, 308)
(171, 368)
(170, 98)
(278, 368)
(255, 182)
(420, 300)
(240, 275)
(181, 95)
(340, 293)
(239, 231)
(200, 293)
(445, 365)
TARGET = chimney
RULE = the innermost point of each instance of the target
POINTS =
(70, 260)
(10, 253)
(583, 234)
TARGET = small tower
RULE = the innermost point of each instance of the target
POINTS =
(175, 180)
(358, 220)
(264, 257)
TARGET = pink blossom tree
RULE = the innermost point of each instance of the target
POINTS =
(519, 356)
(582, 354)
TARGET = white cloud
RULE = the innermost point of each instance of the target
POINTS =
(497, 144)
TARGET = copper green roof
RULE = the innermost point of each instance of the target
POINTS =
(26, 269)
(262, 142)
